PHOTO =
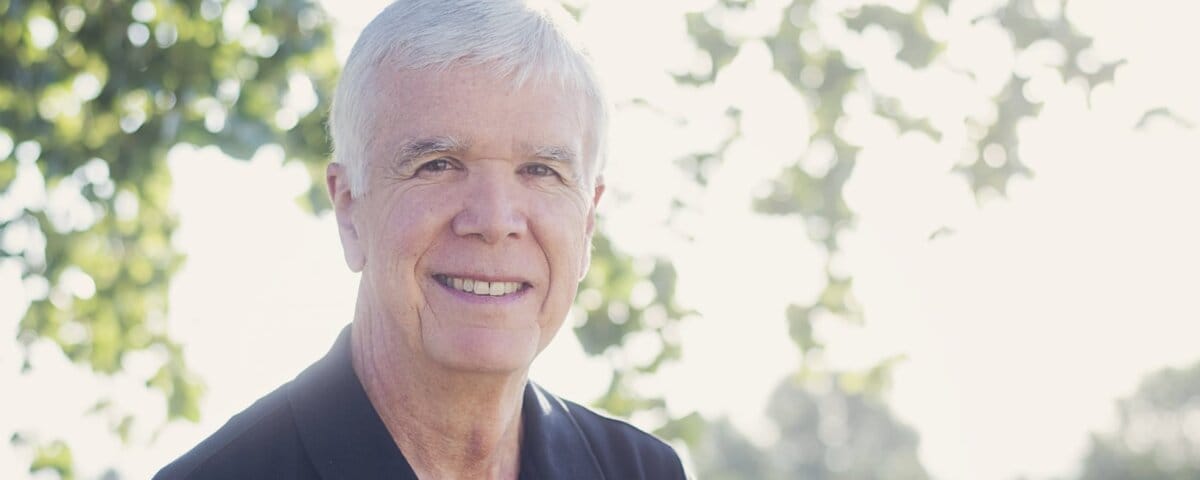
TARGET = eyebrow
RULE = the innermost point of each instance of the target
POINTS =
(556, 153)
(417, 148)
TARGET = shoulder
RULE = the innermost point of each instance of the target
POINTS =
(260, 442)
(623, 450)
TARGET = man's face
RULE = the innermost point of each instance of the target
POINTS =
(473, 232)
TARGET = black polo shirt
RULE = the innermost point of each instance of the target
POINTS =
(322, 426)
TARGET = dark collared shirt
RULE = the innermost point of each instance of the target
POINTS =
(322, 426)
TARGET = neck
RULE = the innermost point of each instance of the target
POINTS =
(448, 424)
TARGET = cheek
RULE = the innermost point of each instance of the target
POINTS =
(405, 233)
(563, 235)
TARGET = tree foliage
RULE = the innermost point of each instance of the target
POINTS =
(1158, 434)
(826, 78)
(94, 94)
(805, 51)
(825, 433)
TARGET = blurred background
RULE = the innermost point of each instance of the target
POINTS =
(851, 239)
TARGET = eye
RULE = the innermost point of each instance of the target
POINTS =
(539, 170)
(435, 166)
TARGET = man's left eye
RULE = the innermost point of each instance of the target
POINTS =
(539, 170)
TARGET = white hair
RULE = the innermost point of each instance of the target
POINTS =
(518, 42)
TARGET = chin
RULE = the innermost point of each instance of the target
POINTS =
(482, 350)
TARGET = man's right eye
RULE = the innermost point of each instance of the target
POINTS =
(434, 166)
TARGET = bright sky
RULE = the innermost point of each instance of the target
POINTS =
(1021, 327)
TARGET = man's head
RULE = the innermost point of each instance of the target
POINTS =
(467, 139)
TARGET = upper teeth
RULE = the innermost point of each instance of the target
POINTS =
(480, 287)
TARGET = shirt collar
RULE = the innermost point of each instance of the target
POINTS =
(338, 426)
(553, 441)
(345, 438)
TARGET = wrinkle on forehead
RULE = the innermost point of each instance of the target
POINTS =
(397, 86)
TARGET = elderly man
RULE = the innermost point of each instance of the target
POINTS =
(468, 146)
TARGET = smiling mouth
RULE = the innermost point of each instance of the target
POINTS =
(480, 287)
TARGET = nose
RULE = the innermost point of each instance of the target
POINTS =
(491, 211)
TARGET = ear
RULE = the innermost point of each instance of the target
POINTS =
(591, 219)
(591, 227)
(344, 204)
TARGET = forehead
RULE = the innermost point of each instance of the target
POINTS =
(471, 103)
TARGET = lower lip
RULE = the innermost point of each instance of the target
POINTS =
(484, 299)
